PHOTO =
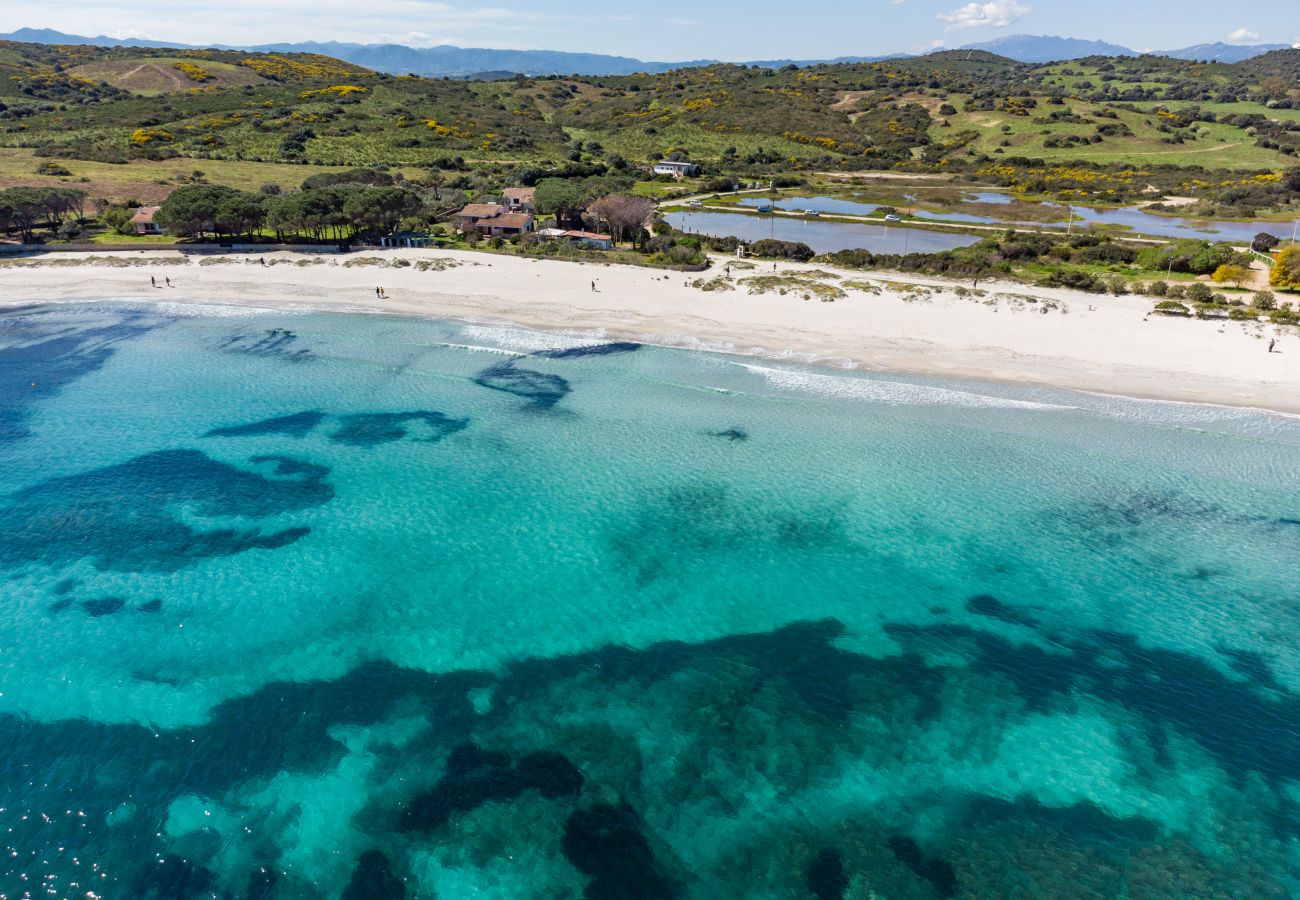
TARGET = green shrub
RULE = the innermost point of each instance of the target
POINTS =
(1172, 308)
(118, 219)
(1075, 280)
(773, 249)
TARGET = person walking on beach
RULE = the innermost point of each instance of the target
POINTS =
(593, 288)
(1271, 344)
(379, 293)
(153, 282)
(168, 280)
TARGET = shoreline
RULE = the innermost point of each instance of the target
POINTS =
(1008, 333)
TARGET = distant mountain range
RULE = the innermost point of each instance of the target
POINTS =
(1226, 53)
(1030, 48)
(464, 62)
(437, 62)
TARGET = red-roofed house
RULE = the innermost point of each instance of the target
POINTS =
(469, 217)
(492, 219)
(592, 239)
(142, 222)
(519, 199)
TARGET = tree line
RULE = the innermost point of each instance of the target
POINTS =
(321, 212)
(25, 209)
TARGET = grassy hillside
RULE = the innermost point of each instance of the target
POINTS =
(167, 75)
(956, 111)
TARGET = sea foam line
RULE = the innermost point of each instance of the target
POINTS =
(893, 393)
(526, 340)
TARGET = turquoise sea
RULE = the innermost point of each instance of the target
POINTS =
(300, 605)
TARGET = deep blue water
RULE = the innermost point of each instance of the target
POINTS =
(321, 606)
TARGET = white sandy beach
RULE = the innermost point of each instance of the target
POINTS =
(1086, 342)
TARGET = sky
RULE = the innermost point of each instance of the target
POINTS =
(668, 31)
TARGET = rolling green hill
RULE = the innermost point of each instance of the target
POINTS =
(167, 75)
(951, 111)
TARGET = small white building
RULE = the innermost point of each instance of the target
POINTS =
(676, 169)
(142, 222)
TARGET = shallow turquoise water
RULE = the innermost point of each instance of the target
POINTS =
(306, 605)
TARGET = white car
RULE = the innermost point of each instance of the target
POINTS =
(696, 203)
(893, 217)
(811, 213)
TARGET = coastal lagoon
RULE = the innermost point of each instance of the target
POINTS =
(821, 236)
(306, 605)
(826, 237)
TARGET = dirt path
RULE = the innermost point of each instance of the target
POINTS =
(175, 78)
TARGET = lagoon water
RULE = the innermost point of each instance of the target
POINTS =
(821, 236)
(320, 606)
(830, 236)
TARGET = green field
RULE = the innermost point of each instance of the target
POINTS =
(147, 181)
(1208, 145)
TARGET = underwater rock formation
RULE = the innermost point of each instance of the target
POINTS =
(373, 879)
(606, 843)
(279, 343)
(826, 878)
(476, 776)
(297, 425)
(41, 353)
(542, 390)
(125, 517)
(593, 350)
(374, 429)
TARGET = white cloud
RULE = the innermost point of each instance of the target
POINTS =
(1243, 36)
(994, 14)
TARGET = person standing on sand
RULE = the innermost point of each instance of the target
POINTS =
(153, 282)
(168, 280)
(379, 294)
(1272, 344)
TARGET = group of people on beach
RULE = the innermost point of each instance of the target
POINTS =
(154, 281)
(381, 293)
